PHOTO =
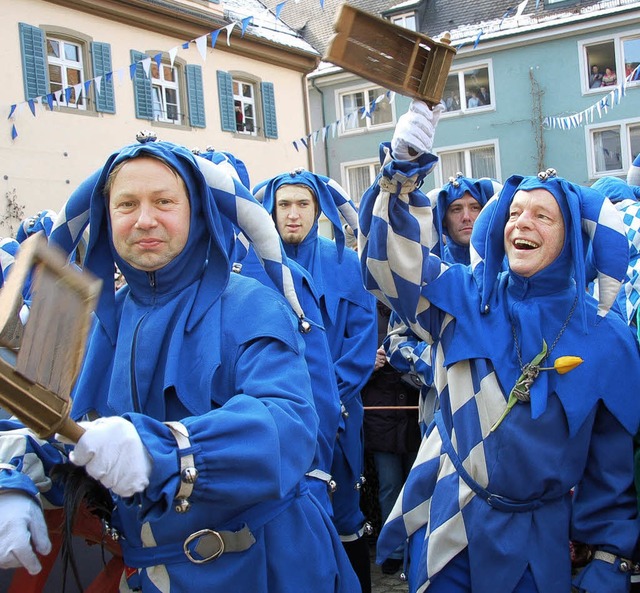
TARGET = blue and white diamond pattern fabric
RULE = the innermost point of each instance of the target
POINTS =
(631, 289)
(435, 495)
(8, 251)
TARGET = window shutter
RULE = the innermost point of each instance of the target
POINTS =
(195, 95)
(142, 90)
(34, 61)
(269, 110)
(101, 62)
(225, 97)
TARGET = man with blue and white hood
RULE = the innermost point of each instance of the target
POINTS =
(533, 443)
(202, 423)
(296, 200)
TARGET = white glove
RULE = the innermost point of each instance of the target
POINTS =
(415, 130)
(113, 454)
(22, 530)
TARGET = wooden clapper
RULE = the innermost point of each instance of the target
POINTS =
(394, 57)
(39, 361)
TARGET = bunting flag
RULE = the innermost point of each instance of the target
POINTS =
(601, 107)
(65, 95)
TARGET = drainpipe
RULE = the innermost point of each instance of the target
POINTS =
(324, 123)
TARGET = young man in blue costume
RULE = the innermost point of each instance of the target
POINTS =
(205, 422)
(521, 457)
(296, 201)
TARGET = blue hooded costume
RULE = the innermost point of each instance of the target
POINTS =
(317, 354)
(497, 497)
(350, 321)
(209, 368)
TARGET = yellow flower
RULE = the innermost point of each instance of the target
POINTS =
(564, 364)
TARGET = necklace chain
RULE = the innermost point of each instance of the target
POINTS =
(564, 326)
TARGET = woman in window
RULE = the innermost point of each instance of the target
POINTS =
(609, 78)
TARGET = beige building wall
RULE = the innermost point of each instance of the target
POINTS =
(55, 150)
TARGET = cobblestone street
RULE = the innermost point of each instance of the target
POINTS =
(385, 583)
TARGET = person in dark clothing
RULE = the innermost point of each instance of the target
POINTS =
(392, 437)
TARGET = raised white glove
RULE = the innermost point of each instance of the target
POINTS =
(23, 532)
(415, 129)
(113, 454)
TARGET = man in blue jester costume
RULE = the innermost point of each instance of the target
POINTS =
(205, 420)
(456, 206)
(533, 443)
(296, 201)
(317, 354)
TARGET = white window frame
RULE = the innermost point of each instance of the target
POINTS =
(159, 88)
(626, 153)
(618, 40)
(401, 20)
(369, 126)
(245, 102)
(65, 64)
(372, 164)
(464, 110)
(467, 149)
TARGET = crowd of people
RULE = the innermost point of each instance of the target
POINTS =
(240, 363)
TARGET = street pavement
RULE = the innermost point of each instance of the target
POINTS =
(385, 583)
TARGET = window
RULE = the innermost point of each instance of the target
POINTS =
(247, 105)
(472, 161)
(66, 71)
(469, 89)
(59, 66)
(358, 177)
(406, 20)
(608, 61)
(165, 93)
(354, 103)
(613, 147)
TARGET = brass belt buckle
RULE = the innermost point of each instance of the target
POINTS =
(213, 555)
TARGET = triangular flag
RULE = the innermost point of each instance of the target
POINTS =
(295, 145)
(120, 72)
(173, 52)
(32, 106)
(214, 37)
(245, 24)
(146, 65)
(67, 94)
(185, 45)
(201, 44)
(279, 8)
(521, 8)
(229, 28)
(14, 132)
(11, 111)
(158, 60)
(304, 142)
(50, 101)
(87, 86)
(97, 82)
(132, 70)
(324, 133)
(78, 89)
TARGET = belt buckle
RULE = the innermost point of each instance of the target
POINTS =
(217, 553)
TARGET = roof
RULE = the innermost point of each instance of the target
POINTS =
(265, 25)
(462, 19)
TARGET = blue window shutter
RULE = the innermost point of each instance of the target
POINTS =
(225, 97)
(195, 95)
(34, 61)
(101, 62)
(142, 91)
(269, 110)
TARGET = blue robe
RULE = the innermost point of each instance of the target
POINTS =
(511, 494)
(350, 321)
(222, 355)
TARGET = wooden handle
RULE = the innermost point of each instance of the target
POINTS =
(71, 430)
